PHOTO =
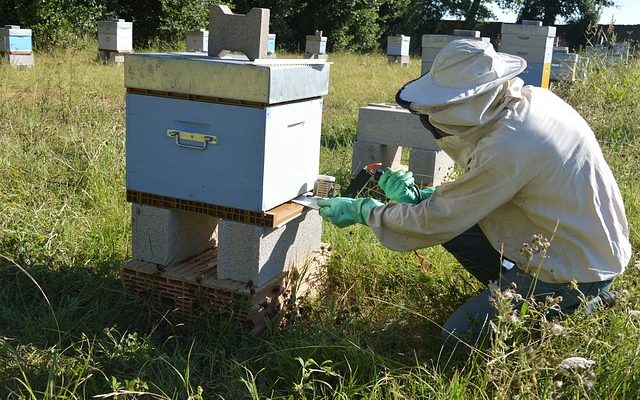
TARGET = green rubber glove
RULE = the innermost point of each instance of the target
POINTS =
(399, 186)
(345, 211)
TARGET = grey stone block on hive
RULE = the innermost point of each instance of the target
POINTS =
(430, 167)
(365, 153)
(393, 125)
(246, 33)
(257, 254)
(166, 237)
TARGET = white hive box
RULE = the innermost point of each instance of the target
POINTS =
(533, 42)
(115, 35)
(432, 44)
(197, 40)
(563, 65)
(271, 43)
(15, 40)
(398, 45)
(232, 133)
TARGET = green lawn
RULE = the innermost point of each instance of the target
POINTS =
(67, 330)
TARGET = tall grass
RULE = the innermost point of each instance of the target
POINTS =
(373, 331)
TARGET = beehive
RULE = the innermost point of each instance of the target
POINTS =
(533, 42)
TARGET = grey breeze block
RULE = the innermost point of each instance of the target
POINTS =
(246, 33)
(166, 237)
(430, 167)
(391, 124)
(366, 153)
(257, 254)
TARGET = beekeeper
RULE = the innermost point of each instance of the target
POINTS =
(531, 166)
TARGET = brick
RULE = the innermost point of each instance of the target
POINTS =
(430, 167)
(366, 153)
(393, 125)
(257, 254)
(248, 33)
(166, 237)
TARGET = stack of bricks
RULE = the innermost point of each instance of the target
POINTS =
(214, 134)
(398, 50)
(115, 39)
(563, 65)
(197, 40)
(432, 44)
(533, 42)
(384, 129)
(316, 46)
(15, 46)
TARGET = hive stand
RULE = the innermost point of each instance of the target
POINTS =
(384, 129)
(214, 228)
(398, 50)
(115, 39)
(316, 46)
(247, 33)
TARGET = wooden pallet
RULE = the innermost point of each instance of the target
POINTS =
(191, 290)
(272, 218)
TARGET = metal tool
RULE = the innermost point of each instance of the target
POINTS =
(362, 179)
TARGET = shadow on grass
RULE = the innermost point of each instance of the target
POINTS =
(89, 331)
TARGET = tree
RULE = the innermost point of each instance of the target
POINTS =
(548, 10)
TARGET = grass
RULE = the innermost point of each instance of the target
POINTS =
(68, 331)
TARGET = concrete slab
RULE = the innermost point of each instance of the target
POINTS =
(430, 167)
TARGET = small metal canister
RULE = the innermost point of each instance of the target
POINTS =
(326, 186)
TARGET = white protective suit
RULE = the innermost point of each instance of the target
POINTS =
(531, 166)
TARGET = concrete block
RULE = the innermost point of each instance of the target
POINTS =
(19, 60)
(247, 33)
(393, 125)
(108, 56)
(197, 40)
(366, 153)
(430, 167)
(403, 61)
(315, 44)
(256, 254)
(166, 237)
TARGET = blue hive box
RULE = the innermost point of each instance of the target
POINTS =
(233, 133)
(15, 40)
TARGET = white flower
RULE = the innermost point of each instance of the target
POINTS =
(571, 365)
(557, 328)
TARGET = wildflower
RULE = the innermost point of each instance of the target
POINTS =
(572, 365)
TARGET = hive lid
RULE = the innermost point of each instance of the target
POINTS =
(266, 81)
(528, 29)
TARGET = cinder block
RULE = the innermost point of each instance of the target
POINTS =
(108, 56)
(403, 61)
(19, 60)
(393, 125)
(366, 153)
(247, 33)
(257, 254)
(197, 40)
(430, 167)
(166, 237)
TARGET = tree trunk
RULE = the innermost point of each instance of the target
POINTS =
(472, 14)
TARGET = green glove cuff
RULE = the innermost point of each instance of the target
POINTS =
(426, 193)
(364, 207)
